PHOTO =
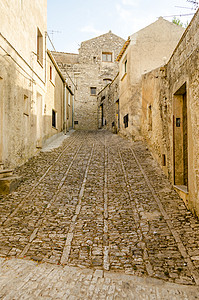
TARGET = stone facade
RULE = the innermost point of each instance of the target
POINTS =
(145, 50)
(90, 70)
(108, 106)
(26, 96)
(170, 113)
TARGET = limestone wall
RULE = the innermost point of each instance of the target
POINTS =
(173, 94)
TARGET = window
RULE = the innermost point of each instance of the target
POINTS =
(150, 118)
(163, 160)
(39, 47)
(51, 73)
(107, 56)
(125, 66)
(93, 91)
(126, 121)
(53, 118)
(68, 98)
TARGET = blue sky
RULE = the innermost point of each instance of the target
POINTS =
(77, 21)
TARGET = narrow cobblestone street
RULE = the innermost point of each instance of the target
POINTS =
(98, 203)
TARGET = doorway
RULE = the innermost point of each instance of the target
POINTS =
(118, 114)
(180, 140)
(101, 116)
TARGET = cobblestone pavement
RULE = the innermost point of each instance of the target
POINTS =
(102, 203)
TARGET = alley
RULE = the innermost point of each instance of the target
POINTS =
(100, 202)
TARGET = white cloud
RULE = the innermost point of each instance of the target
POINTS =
(123, 13)
(130, 2)
(91, 29)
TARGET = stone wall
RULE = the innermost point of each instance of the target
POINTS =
(108, 106)
(90, 72)
(173, 92)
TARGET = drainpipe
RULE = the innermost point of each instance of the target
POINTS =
(65, 129)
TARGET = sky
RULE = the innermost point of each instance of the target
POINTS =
(75, 21)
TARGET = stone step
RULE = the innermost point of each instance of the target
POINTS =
(9, 184)
(6, 173)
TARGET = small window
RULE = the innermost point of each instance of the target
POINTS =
(126, 121)
(107, 56)
(69, 99)
(150, 120)
(54, 118)
(51, 73)
(39, 47)
(178, 122)
(163, 160)
(125, 66)
(93, 91)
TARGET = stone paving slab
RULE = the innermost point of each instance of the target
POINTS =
(23, 279)
(100, 202)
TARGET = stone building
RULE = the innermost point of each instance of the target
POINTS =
(90, 70)
(170, 115)
(108, 106)
(145, 50)
(31, 85)
(57, 115)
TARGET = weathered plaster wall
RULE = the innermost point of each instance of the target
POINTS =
(22, 79)
(149, 48)
(163, 93)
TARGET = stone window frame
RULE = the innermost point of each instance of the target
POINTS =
(40, 47)
(105, 55)
(52, 75)
(93, 91)
(124, 67)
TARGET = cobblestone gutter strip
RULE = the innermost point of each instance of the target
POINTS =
(106, 241)
(38, 182)
(137, 219)
(176, 236)
(67, 247)
(21, 279)
(40, 220)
